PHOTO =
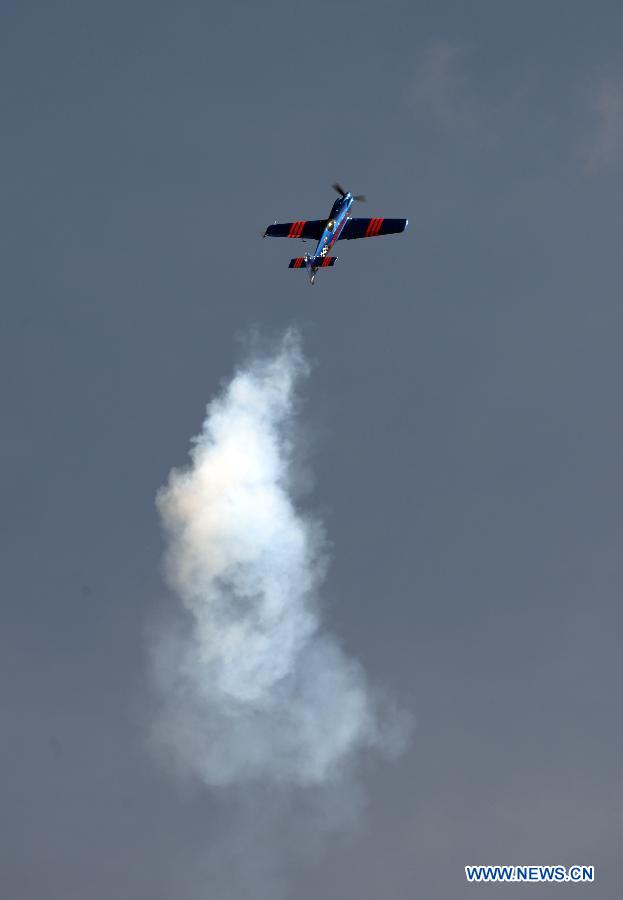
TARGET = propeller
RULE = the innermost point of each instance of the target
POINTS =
(338, 187)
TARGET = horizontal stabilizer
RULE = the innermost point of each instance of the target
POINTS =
(320, 262)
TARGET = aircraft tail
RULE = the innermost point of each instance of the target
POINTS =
(312, 264)
(303, 262)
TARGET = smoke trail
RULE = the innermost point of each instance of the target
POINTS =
(254, 689)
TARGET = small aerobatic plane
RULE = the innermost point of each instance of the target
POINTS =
(338, 227)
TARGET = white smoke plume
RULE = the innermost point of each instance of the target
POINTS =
(253, 689)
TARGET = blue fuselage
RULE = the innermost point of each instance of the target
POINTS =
(338, 217)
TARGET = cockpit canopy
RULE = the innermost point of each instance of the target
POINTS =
(330, 224)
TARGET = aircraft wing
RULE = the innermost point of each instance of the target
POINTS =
(363, 228)
(309, 228)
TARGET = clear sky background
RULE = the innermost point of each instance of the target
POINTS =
(464, 418)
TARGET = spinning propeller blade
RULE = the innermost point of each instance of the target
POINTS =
(338, 187)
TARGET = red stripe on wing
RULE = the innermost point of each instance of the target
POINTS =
(295, 229)
(373, 227)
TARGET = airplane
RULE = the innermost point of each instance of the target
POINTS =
(338, 227)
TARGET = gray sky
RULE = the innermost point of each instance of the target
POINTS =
(463, 414)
